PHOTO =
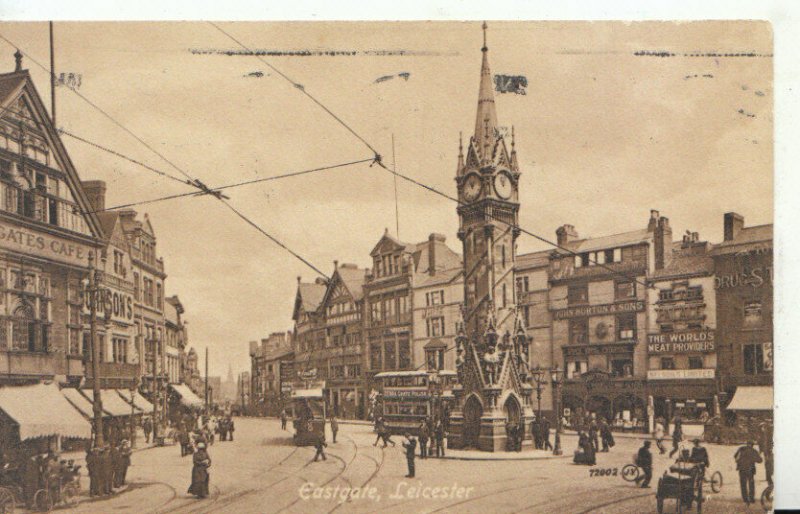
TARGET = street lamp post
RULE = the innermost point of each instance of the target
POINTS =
(93, 292)
(557, 377)
(540, 380)
(132, 390)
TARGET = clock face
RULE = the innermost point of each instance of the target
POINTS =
(502, 184)
(472, 188)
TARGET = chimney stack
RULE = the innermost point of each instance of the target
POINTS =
(565, 234)
(653, 223)
(18, 60)
(96, 193)
(432, 240)
(662, 240)
(734, 223)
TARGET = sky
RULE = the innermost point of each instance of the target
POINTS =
(603, 135)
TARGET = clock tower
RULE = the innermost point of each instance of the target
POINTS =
(492, 344)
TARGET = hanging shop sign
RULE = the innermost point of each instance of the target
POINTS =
(599, 310)
(679, 374)
(689, 341)
(120, 305)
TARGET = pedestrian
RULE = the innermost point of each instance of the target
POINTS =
(125, 462)
(699, 454)
(520, 435)
(379, 430)
(222, 428)
(116, 466)
(147, 426)
(200, 476)
(231, 428)
(410, 444)
(644, 459)
(658, 435)
(536, 432)
(677, 435)
(319, 444)
(106, 471)
(606, 436)
(283, 419)
(30, 479)
(424, 435)
(52, 476)
(593, 435)
(334, 426)
(439, 434)
(746, 458)
(545, 434)
(93, 467)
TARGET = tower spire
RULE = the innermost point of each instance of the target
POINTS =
(486, 119)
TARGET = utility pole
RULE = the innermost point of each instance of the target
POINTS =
(155, 385)
(97, 402)
(52, 78)
(206, 387)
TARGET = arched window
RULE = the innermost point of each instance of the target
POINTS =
(23, 328)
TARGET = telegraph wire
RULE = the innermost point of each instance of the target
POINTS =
(189, 179)
(301, 89)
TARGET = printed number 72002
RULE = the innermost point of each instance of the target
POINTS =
(603, 472)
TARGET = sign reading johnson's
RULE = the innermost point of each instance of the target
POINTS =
(599, 310)
(690, 341)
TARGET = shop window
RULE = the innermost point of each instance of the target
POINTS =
(578, 294)
(389, 354)
(622, 367)
(668, 363)
(579, 331)
(625, 290)
(403, 354)
(753, 359)
(576, 368)
(626, 326)
(695, 362)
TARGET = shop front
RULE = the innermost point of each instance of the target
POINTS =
(622, 401)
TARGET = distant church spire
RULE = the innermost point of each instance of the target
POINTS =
(486, 119)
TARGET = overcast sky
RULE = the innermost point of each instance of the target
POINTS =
(603, 136)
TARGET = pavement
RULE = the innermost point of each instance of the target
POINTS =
(262, 472)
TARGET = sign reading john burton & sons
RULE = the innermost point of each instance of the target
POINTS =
(599, 310)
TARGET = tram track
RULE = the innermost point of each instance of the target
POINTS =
(378, 466)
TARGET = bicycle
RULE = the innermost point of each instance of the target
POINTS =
(766, 499)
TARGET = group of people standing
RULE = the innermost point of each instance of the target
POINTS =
(431, 438)
(108, 467)
(594, 437)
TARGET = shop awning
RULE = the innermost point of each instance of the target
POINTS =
(752, 398)
(113, 403)
(188, 398)
(40, 410)
(78, 401)
(307, 393)
(139, 401)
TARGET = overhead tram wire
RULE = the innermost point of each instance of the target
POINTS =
(380, 163)
(189, 179)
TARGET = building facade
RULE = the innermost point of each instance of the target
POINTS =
(743, 279)
(269, 363)
(176, 337)
(47, 231)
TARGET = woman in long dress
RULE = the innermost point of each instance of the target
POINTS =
(200, 476)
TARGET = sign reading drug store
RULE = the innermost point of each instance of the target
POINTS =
(690, 341)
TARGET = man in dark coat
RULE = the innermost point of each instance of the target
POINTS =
(319, 444)
(699, 454)
(334, 426)
(31, 478)
(536, 432)
(106, 470)
(116, 466)
(605, 435)
(545, 434)
(231, 428)
(93, 467)
(644, 459)
(439, 435)
(222, 428)
(124, 462)
(410, 445)
(200, 477)
(424, 435)
(593, 438)
(283, 419)
(520, 435)
(746, 458)
(677, 435)
(147, 426)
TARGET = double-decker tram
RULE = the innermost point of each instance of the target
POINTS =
(310, 412)
(410, 397)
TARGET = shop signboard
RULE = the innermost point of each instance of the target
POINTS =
(689, 341)
(599, 310)
(42, 244)
(680, 374)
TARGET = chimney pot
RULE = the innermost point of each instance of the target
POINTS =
(18, 60)
(96, 193)
(565, 234)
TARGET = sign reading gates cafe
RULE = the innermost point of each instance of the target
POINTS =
(690, 341)
(599, 310)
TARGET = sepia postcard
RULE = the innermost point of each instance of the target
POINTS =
(395, 267)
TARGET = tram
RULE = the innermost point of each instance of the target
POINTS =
(310, 413)
(409, 397)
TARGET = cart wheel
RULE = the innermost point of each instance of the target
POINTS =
(42, 501)
(716, 482)
(660, 504)
(766, 499)
(69, 496)
(630, 472)
(7, 503)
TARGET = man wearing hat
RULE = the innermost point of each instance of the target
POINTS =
(746, 458)
(410, 444)
(644, 459)
(124, 462)
(699, 454)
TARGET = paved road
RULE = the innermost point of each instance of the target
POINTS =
(261, 472)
